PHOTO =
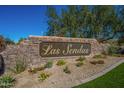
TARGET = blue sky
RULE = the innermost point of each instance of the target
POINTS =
(22, 21)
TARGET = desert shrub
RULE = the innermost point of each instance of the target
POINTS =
(112, 50)
(79, 64)
(66, 70)
(97, 62)
(120, 41)
(34, 70)
(81, 59)
(116, 51)
(43, 76)
(61, 62)
(48, 64)
(99, 56)
(19, 67)
(6, 81)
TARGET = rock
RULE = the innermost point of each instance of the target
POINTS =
(97, 62)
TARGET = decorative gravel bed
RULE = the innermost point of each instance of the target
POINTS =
(59, 79)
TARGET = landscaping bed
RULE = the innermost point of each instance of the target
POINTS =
(68, 74)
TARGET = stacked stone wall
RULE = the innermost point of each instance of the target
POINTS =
(28, 50)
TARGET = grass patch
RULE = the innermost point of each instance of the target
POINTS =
(19, 67)
(61, 63)
(6, 81)
(113, 79)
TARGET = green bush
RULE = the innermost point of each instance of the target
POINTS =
(79, 64)
(19, 67)
(61, 62)
(112, 50)
(120, 41)
(43, 76)
(66, 70)
(48, 64)
(81, 59)
(6, 81)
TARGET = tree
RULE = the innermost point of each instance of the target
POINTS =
(104, 21)
(8, 41)
(100, 22)
(53, 21)
(20, 40)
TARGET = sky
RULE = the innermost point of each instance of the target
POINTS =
(21, 21)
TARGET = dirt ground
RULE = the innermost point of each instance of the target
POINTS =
(59, 79)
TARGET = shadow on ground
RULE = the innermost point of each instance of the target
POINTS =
(2, 65)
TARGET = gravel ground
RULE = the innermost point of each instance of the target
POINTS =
(59, 79)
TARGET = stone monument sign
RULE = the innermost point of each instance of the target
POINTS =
(39, 49)
(59, 49)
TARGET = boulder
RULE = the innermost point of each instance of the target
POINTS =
(1, 65)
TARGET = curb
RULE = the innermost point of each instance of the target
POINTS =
(109, 68)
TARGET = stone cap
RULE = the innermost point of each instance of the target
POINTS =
(59, 39)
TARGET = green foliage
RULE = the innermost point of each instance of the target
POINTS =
(100, 22)
(112, 50)
(43, 76)
(79, 64)
(121, 41)
(66, 70)
(8, 41)
(48, 64)
(113, 79)
(81, 59)
(6, 81)
(19, 67)
(20, 40)
(61, 62)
